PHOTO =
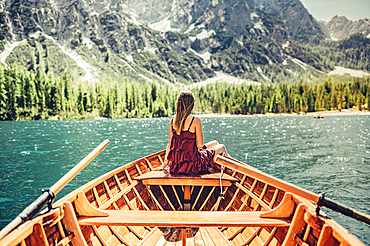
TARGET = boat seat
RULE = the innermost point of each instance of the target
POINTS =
(183, 219)
(208, 179)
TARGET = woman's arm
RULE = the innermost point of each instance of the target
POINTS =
(198, 132)
(170, 133)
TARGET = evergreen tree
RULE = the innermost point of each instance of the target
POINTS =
(11, 109)
(80, 106)
(22, 88)
(154, 92)
(108, 106)
(3, 97)
(67, 86)
(333, 98)
(40, 89)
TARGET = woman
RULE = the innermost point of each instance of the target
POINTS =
(186, 152)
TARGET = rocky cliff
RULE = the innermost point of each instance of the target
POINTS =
(340, 27)
(171, 41)
(299, 23)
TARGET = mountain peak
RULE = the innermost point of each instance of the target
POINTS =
(299, 23)
(340, 27)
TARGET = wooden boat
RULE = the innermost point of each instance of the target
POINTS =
(134, 205)
(319, 117)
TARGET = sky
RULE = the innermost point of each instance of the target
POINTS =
(326, 9)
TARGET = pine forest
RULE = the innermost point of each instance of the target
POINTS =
(27, 95)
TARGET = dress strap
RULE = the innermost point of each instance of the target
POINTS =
(191, 122)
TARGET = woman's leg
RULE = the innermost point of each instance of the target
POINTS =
(219, 149)
(211, 144)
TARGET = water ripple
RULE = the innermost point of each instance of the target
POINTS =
(329, 155)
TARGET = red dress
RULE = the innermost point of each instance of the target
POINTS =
(185, 157)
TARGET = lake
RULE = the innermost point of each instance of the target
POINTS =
(330, 155)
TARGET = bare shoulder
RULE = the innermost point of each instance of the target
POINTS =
(197, 120)
(172, 120)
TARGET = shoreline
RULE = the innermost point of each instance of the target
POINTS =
(321, 113)
(217, 115)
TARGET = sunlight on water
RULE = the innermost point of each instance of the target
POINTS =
(329, 155)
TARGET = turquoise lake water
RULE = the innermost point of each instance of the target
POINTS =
(330, 155)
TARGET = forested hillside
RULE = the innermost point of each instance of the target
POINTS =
(26, 95)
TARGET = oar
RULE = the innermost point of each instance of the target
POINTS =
(319, 199)
(48, 195)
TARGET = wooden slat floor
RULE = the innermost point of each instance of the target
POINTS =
(172, 236)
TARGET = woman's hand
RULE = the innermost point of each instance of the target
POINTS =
(164, 167)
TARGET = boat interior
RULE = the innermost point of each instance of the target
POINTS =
(134, 205)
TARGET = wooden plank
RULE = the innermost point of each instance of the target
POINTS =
(209, 195)
(251, 237)
(38, 237)
(71, 225)
(251, 191)
(138, 169)
(274, 198)
(149, 165)
(137, 234)
(165, 195)
(272, 234)
(107, 189)
(136, 192)
(128, 202)
(196, 200)
(235, 194)
(118, 182)
(152, 238)
(206, 237)
(297, 226)
(183, 237)
(160, 178)
(118, 195)
(97, 198)
(235, 233)
(217, 237)
(97, 234)
(183, 219)
(65, 241)
(253, 196)
(119, 237)
(198, 239)
(140, 199)
(187, 194)
(154, 198)
(326, 237)
(177, 197)
(190, 182)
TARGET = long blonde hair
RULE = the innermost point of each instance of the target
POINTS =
(184, 106)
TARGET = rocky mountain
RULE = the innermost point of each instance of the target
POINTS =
(299, 23)
(168, 41)
(340, 27)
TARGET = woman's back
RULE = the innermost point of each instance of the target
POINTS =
(184, 154)
(188, 124)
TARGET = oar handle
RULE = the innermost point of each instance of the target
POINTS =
(316, 198)
(345, 210)
(81, 165)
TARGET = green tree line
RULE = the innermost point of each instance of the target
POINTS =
(283, 98)
(27, 95)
